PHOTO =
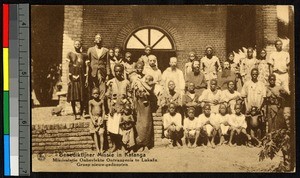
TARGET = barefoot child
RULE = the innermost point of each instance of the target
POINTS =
(223, 122)
(126, 125)
(172, 126)
(191, 130)
(97, 116)
(238, 124)
(206, 121)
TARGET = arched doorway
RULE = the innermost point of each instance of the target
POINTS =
(160, 41)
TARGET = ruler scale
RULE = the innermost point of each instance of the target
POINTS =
(24, 90)
(14, 88)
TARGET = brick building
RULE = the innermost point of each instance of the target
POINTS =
(185, 28)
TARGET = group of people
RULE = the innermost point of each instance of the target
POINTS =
(237, 101)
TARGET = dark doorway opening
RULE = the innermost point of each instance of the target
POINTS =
(46, 48)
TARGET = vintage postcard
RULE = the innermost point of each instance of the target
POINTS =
(168, 88)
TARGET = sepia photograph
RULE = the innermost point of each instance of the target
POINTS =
(163, 88)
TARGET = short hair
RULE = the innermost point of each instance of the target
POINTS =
(206, 105)
(214, 80)
(230, 81)
(208, 46)
(152, 56)
(278, 40)
(272, 75)
(192, 52)
(151, 78)
(222, 104)
(191, 108)
(148, 46)
(236, 105)
(254, 70)
(172, 103)
(128, 53)
(95, 88)
(230, 53)
(98, 34)
(141, 63)
(250, 48)
(119, 65)
(173, 58)
(170, 82)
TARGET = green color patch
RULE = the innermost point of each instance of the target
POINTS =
(6, 112)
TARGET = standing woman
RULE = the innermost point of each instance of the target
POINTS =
(77, 80)
(118, 94)
(144, 121)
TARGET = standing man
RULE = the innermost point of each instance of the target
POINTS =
(174, 74)
(254, 91)
(279, 65)
(210, 64)
(98, 58)
(247, 64)
(197, 78)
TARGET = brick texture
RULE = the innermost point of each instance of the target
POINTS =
(190, 28)
(59, 137)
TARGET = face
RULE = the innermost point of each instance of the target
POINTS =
(149, 80)
(207, 110)
(192, 57)
(117, 51)
(95, 93)
(237, 109)
(173, 63)
(230, 86)
(278, 45)
(77, 45)
(111, 52)
(196, 66)
(222, 109)
(231, 57)
(118, 71)
(272, 80)
(209, 51)
(213, 85)
(171, 85)
(191, 87)
(172, 109)
(250, 53)
(263, 53)
(128, 56)
(152, 61)
(226, 65)
(286, 113)
(254, 74)
(147, 50)
(139, 68)
(191, 114)
(98, 39)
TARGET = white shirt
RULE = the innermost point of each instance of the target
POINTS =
(255, 93)
(203, 119)
(168, 119)
(219, 119)
(176, 76)
(279, 60)
(238, 121)
(191, 124)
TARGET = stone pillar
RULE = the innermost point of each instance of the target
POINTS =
(266, 27)
(73, 28)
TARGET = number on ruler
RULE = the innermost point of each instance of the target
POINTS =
(24, 73)
(24, 122)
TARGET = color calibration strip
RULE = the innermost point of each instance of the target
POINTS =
(6, 90)
(16, 88)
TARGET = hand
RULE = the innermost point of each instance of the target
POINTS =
(215, 102)
(107, 78)
(86, 84)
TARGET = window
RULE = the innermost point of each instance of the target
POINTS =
(153, 37)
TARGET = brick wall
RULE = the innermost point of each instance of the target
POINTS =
(191, 28)
(51, 138)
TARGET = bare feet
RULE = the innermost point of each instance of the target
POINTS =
(189, 145)
(213, 145)
(194, 145)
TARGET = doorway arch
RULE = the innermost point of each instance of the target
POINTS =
(161, 43)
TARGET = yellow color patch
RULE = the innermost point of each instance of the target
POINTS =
(5, 70)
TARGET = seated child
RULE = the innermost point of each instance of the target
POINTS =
(206, 121)
(126, 125)
(190, 99)
(169, 96)
(96, 111)
(223, 117)
(190, 126)
(238, 124)
(172, 126)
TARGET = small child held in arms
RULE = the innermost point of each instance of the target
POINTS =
(238, 125)
(191, 129)
(223, 117)
(96, 111)
(126, 125)
(172, 126)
